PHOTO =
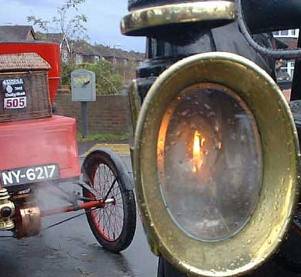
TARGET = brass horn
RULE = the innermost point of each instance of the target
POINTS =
(216, 165)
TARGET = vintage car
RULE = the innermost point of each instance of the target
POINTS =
(216, 150)
(39, 148)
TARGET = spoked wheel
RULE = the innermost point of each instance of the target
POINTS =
(113, 225)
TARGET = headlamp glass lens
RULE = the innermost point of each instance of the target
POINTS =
(209, 162)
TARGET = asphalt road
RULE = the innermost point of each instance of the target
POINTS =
(71, 250)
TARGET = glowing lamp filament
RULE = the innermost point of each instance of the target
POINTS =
(197, 159)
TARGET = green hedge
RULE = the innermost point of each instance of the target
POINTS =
(108, 81)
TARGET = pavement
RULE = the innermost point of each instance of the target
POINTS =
(120, 149)
(71, 250)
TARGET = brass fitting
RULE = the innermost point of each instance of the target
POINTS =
(28, 222)
(7, 210)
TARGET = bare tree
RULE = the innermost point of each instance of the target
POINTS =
(68, 21)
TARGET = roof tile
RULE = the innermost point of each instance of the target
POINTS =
(22, 61)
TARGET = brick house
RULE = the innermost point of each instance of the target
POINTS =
(284, 68)
(83, 52)
(17, 33)
(290, 39)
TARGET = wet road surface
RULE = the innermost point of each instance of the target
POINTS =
(71, 250)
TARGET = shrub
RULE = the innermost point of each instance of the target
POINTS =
(108, 81)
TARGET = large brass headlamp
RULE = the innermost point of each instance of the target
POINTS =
(216, 165)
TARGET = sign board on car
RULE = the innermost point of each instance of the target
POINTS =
(14, 94)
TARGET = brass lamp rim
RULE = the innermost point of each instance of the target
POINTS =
(268, 225)
(163, 15)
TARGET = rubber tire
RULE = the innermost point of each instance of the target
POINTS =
(129, 204)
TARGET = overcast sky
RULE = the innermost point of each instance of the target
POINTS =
(103, 19)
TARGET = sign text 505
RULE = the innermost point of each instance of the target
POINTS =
(15, 103)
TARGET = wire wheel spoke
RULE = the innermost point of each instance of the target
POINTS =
(114, 224)
(109, 220)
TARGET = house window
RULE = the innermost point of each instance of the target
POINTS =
(287, 33)
(289, 67)
(294, 33)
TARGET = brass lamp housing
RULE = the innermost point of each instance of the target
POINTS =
(139, 21)
(280, 149)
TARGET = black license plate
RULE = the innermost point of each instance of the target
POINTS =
(27, 175)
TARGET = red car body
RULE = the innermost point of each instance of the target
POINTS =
(51, 140)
